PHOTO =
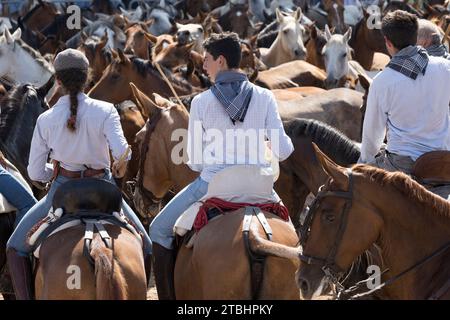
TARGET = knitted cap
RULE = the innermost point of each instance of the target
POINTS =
(70, 59)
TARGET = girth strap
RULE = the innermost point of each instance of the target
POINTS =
(257, 262)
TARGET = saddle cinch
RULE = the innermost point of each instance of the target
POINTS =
(432, 170)
(89, 201)
(240, 183)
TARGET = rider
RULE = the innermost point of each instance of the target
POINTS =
(232, 104)
(430, 36)
(77, 134)
(409, 98)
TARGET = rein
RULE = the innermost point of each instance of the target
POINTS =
(332, 270)
(150, 126)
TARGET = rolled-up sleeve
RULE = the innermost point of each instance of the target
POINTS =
(113, 132)
(39, 151)
(281, 144)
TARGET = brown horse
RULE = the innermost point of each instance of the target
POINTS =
(314, 47)
(291, 74)
(368, 45)
(40, 16)
(339, 108)
(137, 43)
(119, 272)
(368, 205)
(114, 87)
(335, 17)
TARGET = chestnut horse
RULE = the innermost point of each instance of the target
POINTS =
(114, 87)
(368, 205)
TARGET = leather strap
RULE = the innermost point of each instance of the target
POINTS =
(80, 174)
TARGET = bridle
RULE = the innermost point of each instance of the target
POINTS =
(150, 128)
(332, 271)
(328, 264)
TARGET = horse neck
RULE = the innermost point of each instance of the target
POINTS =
(404, 222)
(362, 50)
(276, 54)
(27, 69)
(155, 83)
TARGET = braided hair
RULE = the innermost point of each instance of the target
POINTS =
(73, 81)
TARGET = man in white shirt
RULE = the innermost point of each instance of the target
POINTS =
(408, 100)
(232, 105)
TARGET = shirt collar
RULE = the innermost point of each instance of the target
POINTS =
(66, 99)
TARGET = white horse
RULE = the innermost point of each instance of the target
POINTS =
(19, 63)
(191, 33)
(337, 58)
(288, 45)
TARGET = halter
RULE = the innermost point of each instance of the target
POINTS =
(329, 266)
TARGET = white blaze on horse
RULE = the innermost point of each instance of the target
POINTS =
(19, 63)
(288, 45)
(339, 65)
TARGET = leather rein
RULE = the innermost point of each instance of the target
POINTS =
(332, 271)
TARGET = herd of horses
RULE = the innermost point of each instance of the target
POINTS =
(318, 61)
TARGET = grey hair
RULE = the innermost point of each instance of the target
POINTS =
(429, 30)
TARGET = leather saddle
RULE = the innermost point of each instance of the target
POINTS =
(433, 168)
(88, 194)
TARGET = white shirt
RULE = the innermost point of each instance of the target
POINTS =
(98, 129)
(211, 118)
(414, 112)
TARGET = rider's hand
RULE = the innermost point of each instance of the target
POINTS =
(119, 168)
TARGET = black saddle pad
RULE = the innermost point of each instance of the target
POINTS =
(87, 194)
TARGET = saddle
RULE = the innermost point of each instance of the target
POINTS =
(433, 168)
(89, 201)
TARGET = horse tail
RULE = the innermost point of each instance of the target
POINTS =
(110, 282)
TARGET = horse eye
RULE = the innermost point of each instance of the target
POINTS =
(328, 216)
(285, 31)
(344, 55)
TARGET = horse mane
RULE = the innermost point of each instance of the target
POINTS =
(11, 105)
(407, 187)
(31, 12)
(334, 143)
(35, 55)
(144, 66)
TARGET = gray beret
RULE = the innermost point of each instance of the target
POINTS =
(70, 58)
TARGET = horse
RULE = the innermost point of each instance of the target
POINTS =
(368, 45)
(137, 43)
(40, 15)
(296, 93)
(113, 85)
(157, 176)
(367, 205)
(339, 108)
(236, 19)
(335, 10)
(191, 33)
(288, 45)
(314, 47)
(116, 269)
(20, 110)
(19, 63)
(291, 74)
(341, 69)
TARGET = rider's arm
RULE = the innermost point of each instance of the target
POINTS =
(374, 127)
(195, 137)
(280, 143)
(113, 132)
(38, 170)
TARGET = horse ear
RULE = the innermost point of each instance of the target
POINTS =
(280, 17)
(331, 168)
(298, 14)
(114, 53)
(143, 102)
(313, 32)
(149, 22)
(327, 33)
(348, 34)
(103, 41)
(178, 25)
(123, 58)
(83, 36)
(151, 38)
(365, 81)
(162, 102)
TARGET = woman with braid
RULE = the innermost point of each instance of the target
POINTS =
(77, 134)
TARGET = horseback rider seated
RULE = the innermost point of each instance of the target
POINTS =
(408, 99)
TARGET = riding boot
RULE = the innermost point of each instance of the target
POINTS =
(148, 267)
(21, 274)
(163, 268)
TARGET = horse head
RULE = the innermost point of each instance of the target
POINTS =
(291, 34)
(336, 54)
